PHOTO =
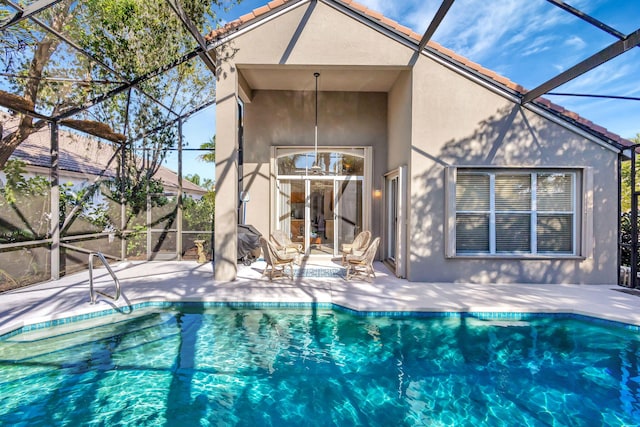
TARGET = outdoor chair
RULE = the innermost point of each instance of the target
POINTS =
(283, 243)
(362, 265)
(357, 247)
(277, 261)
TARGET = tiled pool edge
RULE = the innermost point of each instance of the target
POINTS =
(11, 331)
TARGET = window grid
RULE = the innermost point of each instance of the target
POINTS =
(533, 213)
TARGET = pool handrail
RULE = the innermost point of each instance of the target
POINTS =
(92, 292)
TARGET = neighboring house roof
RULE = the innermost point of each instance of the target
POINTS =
(82, 155)
(376, 17)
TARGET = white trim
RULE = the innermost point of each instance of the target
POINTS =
(386, 203)
(273, 190)
(367, 188)
(533, 219)
(401, 241)
(492, 213)
(586, 235)
(400, 249)
(586, 247)
(450, 179)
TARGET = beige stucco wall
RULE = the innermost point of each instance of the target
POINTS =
(226, 214)
(317, 34)
(400, 99)
(457, 122)
(431, 117)
(312, 35)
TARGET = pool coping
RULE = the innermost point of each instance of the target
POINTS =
(163, 305)
(145, 284)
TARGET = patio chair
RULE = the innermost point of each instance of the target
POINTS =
(277, 261)
(357, 247)
(283, 243)
(362, 265)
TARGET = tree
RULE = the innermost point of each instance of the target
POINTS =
(133, 37)
(199, 214)
(209, 157)
(24, 203)
(625, 205)
(625, 178)
(195, 178)
(32, 69)
(208, 184)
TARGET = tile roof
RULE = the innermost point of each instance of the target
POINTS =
(81, 154)
(569, 116)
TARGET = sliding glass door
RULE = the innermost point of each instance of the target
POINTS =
(394, 248)
(320, 207)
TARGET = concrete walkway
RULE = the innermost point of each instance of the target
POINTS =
(189, 281)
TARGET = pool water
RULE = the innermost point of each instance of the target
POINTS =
(319, 367)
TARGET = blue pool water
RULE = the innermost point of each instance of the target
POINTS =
(224, 366)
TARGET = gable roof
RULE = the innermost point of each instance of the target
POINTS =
(84, 156)
(378, 19)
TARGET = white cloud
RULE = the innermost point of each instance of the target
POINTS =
(575, 42)
(528, 37)
(420, 15)
(477, 28)
(415, 14)
(616, 76)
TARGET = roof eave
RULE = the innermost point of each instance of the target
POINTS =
(411, 40)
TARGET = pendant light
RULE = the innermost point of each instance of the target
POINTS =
(315, 168)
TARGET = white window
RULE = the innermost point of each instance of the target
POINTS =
(514, 212)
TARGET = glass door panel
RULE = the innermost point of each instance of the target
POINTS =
(321, 204)
(348, 210)
(291, 208)
(392, 217)
(310, 213)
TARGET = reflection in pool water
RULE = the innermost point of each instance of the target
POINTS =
(243, 366)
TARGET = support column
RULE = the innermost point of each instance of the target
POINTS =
(179, 213)
(123, 206)
(634, 223)
(226, 212)
(54, 226)
(123, 175)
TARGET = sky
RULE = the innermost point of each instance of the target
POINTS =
(527, 41)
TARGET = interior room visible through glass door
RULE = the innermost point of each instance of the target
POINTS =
(321, 203)
(349, 209)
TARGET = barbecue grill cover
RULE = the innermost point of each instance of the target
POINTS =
(248, 240)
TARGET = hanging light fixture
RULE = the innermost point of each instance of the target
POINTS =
(315, 167)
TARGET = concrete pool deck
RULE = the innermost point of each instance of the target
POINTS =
(190, 281)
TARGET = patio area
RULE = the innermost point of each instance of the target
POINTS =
(319, 282)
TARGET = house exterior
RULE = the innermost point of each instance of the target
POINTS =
(429, 151)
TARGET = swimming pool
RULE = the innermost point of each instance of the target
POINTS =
(197, 365)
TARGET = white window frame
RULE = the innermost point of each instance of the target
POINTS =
(582, 209)
(366, 152)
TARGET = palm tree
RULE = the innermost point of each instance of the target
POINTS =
(210, 145)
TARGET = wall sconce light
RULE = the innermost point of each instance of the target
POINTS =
(377, 194)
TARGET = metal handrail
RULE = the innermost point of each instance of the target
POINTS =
(92, 292)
